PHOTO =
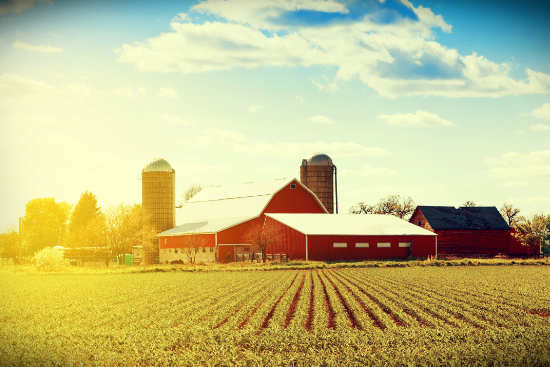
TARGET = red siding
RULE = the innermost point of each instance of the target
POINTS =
(202, 239)
(472, 242)
(298, 200)
(420, 220)
(321, 247)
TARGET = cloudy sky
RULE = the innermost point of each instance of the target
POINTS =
(442, 101)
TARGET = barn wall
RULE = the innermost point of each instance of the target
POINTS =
(298, 200)
(171, 247)
(321, 247)
(420, 220)
(472, 242)
(285, 240)
(188, 240)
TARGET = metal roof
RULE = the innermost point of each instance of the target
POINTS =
(464, 218)
(232, 191)
(205, 226)
(158, 165)
(320, 159)
(350, 224)
(246, 200)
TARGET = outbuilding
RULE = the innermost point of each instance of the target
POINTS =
(470, 231)
(328, 237)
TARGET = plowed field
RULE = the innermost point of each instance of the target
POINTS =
(393, 316)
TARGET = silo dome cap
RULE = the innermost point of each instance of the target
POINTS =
(320, 159)
(158, 165)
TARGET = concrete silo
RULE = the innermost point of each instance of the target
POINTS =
(319, 174)
(158, 182)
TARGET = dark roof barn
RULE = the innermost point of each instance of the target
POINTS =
(464, 218)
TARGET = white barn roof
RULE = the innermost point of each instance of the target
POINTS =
(350, 224)
(246, 200)
(205, 226)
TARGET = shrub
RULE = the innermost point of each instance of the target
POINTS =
(48, 259)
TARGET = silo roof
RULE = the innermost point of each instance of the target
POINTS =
(158, 165)
(320, 159)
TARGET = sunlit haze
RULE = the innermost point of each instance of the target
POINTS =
(440, 102)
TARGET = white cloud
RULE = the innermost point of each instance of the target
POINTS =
(396, 59)
(543, 112)
(540, 127)
(167, 93)
(174, 120)
(300, 99)
(47, 49)
(321, 120)
(239, 142)
(515, 165)
(254, 108)
(418, 119)
(17, 6)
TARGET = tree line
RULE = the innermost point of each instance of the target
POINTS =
(49, 223)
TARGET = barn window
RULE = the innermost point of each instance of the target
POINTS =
(383, 244)
(361, 244)
(176, 250)
(204, 249)
(211, 249)
(404, 244)
(292, 186)
(339, 244)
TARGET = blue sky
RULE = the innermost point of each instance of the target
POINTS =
(441, 101)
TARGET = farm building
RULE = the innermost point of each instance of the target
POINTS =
(226, 224)
(220, 223)
(348, 237)
(469, 231)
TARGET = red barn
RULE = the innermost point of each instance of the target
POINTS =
(219, 221)
(468, 231)
(348, 237)
(223, 224)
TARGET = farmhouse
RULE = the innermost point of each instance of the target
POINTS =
(224, 224)
(469, 231)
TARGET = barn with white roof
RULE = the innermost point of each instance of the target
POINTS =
(349, 237)
(227, 223)
(223, 222)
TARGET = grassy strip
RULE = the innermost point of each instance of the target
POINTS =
(270, 266)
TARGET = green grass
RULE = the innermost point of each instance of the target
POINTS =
(269, 266)
(413, 315)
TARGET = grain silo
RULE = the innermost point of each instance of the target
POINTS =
(158, 182)
(319, 175)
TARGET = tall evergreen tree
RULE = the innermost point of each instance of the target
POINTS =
(87, 223)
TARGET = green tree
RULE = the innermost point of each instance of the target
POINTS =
(534, 230)
(10, 244)
(127, 226)
(44, 224)
(87, 223)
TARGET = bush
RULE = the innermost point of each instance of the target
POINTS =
(48, 259)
